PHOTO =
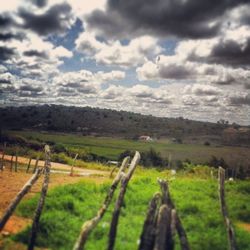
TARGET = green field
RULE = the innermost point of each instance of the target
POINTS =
(196, 200)
(112, 147)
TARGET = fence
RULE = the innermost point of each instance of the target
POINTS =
(161, 223)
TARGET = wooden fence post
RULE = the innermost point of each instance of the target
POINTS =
(40, 205)
(163, 236)
(115, 218)
(11, 163)
(73, 164)
(166, 199)
(16, 163)
(36, 165)
(11, 208)
(2, 162)
(89, 225)
(28, 166)
(229, 226)
(147, 238)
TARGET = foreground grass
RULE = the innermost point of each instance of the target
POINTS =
(196, 200)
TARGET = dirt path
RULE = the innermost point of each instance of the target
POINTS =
(12, 182)
(57, 166)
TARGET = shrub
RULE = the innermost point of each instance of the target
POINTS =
(59, 148)
(149, 158)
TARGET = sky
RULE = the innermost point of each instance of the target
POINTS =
(167, 58)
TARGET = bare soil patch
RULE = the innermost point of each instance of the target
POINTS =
(12, 182)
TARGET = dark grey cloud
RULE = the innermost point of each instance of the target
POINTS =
(5, 81)
(174, 71)
(87, 90)
(240, 100)
(226, 52)
(35, 53)
(74, 88)
(161, 101)
(247, 85)
(188, 19)
(205, 92)
(40, 3)
(55, 20)
(229, 80)
(6, 53)
(31, 88)
(231, 53)
(30, 91)
(5, 21)
(65, 91)
(9, 36)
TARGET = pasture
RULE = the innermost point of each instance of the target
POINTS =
(195, 197)
(111, 148)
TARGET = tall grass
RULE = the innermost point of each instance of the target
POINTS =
(196, 200)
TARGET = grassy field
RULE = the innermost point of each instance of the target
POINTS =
(196, 200)
(112, 147)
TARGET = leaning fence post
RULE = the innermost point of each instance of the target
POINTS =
(18, 198)
(166, 199)
(89, 225)
(40, 205)
(229, 226)
(147, 238)
(28, 166)
(163, 231)
(119, 202)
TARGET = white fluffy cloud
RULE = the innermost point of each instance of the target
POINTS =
(136, 52)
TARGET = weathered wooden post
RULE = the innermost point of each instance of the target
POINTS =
(16, 162)
(73, 164)
(40, 205)
(2, 161)
(36, 164)
(89, 225)
(11, 163)
(18, 198)
(115, 218)
(166, 199)
(163, 238)
(28, 166)
(229, 226)
(147, 239)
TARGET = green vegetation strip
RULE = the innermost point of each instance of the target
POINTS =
(111, 148)
(196, 201)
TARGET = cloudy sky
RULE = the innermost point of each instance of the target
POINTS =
(171, 58)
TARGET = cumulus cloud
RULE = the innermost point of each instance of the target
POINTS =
(178, 18)
(190, 57)
(132, 54)
(55, 20)
(6, 53)
(202, 90)
(6, 77)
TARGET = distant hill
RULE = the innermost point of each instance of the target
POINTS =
(105, 122)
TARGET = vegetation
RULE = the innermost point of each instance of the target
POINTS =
(158, 153)
(104, 122)
(196, 200)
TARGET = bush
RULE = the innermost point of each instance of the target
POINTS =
(59, 148)
(149, 158)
